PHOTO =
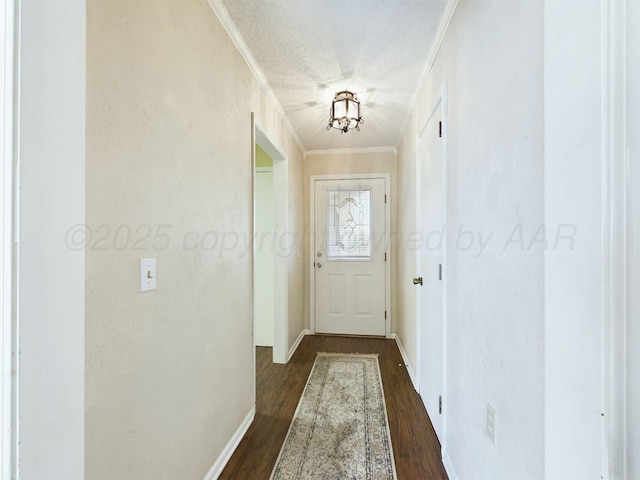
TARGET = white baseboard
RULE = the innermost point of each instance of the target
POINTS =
(215, 471)
(294, 347)
(412, 374)
(448, 466)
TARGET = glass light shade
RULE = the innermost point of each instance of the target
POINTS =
(345, 112)
(339, 109)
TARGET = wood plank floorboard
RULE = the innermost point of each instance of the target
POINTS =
(279, 387)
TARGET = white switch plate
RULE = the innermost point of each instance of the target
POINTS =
(147, 274)
(491, 423)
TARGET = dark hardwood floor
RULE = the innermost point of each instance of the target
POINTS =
(278, 389)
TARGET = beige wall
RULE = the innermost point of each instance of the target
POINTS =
(295, 265)
(347, 163)
(169, 372)
(492, 59)
(262, 158)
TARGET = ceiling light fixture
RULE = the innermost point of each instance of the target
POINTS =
(345, 112)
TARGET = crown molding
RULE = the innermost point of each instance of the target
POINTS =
(232, 30)
(347, 151)
(443, 26)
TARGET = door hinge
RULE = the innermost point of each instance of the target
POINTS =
(440, 129)
(440, 404)
(385, 314)
(439, 271)
(385, 198)
(385, 256)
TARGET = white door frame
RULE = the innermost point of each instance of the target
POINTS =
(8, 321)
(441, 101)
(312, 221)
(616, 182)
(281, 281)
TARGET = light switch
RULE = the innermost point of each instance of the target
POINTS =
(147, 274)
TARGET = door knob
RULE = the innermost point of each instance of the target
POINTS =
(417, 281)
(318, 264)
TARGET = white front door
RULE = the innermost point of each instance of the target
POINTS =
(349, 256)
(431, 222)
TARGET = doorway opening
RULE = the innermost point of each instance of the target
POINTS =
(264, 248)
(270, 283)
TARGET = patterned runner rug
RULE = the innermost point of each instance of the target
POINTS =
(340, 429)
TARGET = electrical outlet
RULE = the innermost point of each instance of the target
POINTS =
(491, 423)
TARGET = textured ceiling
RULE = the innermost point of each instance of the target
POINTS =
(310, 49)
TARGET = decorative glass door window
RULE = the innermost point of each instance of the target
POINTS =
(349, 224)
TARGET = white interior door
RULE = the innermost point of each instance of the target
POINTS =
(431, 222)
(349, 256)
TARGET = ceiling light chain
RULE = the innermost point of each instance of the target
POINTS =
(345, 112)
